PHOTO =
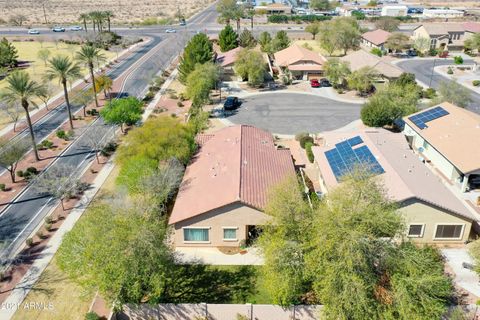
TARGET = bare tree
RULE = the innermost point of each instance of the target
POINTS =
(11, 152)
(46, 93)
(13, 111)
(83, 98)
(98, 137)
(59, 181)
(43, 3)
(17, 19)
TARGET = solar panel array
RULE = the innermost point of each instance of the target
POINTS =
(343, 158)
(421, 119)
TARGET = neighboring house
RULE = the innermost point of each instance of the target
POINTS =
(227, 61)
(225, 187)
(361, 58)
(394, 11)
(375, 39)
(443, 36)
(448, 137)
(433, 214)
(303, 64)
(471, 28)
(442, 13)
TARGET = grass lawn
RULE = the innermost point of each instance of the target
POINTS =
(315, 46)
(67, 299)
(27, 52)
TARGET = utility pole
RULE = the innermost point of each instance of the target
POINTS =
(433, 68)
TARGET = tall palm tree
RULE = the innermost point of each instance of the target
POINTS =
(108, 15)
(84, 17)
(63, 69)
(21, 89)
(88, 55)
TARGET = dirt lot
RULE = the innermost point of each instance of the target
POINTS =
(68, 11)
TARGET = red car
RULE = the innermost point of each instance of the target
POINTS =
(314, 83)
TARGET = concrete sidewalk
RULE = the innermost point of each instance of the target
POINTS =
(18, 294)
(213, 256)
(464, 278)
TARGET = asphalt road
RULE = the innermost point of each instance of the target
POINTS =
(19, 219)
(422, 68)
(291, 113)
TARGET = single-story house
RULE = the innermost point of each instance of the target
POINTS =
(433, 214)
(443, 36)
(225, 188)
(448, 137)
(361, 58)
(442, 13)
(304, 64)
(375, 39)
(394, 11)
(227, 61)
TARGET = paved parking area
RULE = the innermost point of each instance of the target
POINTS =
(289, 113)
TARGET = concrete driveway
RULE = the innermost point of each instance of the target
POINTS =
(290, 113)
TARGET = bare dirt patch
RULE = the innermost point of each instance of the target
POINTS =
(68, 11)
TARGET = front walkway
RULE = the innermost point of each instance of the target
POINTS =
(463, 277)
(213, 256)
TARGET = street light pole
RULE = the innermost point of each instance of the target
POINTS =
(433, 68)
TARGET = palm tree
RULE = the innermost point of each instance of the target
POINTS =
(21, 89)
(108, 15)
(84, 17)
(63, 69)
(88, 55)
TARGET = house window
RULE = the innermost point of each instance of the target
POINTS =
(415, 230)
(195, 234)
(449, 231)
(425, 145)
(230, 234)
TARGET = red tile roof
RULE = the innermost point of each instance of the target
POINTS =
(229, 57)
(377, 37)
(472, 27)
(238, 164)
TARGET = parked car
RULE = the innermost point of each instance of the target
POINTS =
(183, 22)
(33, 31)
(170, 31)
(325, 83)
(76, 28)
(231, 103)
(58, 29)
(412, 53)
(314, 83)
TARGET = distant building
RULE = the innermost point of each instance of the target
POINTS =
(225, 187)
(433, 214)
(442, 13)
(275, 8)
(448, 137)
(443, 36)
(375, 39)
(303, 64)
(394, 11)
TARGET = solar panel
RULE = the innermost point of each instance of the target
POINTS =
(421, 119)
(344, 158)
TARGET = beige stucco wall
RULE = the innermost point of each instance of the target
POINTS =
(437, 159)
(236, 215)
(416, 212)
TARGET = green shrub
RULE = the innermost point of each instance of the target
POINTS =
(2, 187)
(92, 112)
(29, 242)
(304, 140)
(92, 316)
(40, 234)
(308, 150)
(45, 144)
(432, 52)
(109, 149)
(476, 83)
(300, 135)
(458, 60)
(429, 93)
(29, 173)
(64, 135)
(48, 227)
(48, 220)
(376, 51)
(450, 70)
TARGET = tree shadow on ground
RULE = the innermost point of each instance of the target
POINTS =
(200, 283)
